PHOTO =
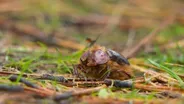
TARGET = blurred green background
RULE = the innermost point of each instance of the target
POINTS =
(121, 23)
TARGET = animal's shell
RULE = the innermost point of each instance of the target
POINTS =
(98, 62)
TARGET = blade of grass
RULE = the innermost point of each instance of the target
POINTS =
(170, 72)
(25, 67)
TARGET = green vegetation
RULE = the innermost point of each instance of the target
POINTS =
(29, 48)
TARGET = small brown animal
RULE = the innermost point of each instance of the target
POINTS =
(100, 63)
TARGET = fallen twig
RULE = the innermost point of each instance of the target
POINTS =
(22, 80)
(37, 35)
(160, 76)
(6, 73)
(132, 51)
(69, 94)
(87, 83)
(157, 88)
(35, 76)
(119, 83)
(174, 64)
(131, 84)
(42, 92)
(52, 77)
(11, 88)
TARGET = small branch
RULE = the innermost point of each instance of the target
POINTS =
(36, 76)
(119, 83)
(37, 35)
(52, 77)
(10, 88)
(69, 94)
(160, 76)
(157, 88)
(42, 92)
(88, 83)
(6, 73)
(130, 84)
(14, 78)
(132, 51)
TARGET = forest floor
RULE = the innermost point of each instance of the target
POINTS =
(41, 42)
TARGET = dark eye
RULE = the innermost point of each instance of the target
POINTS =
(99, 52)
(101, 57)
